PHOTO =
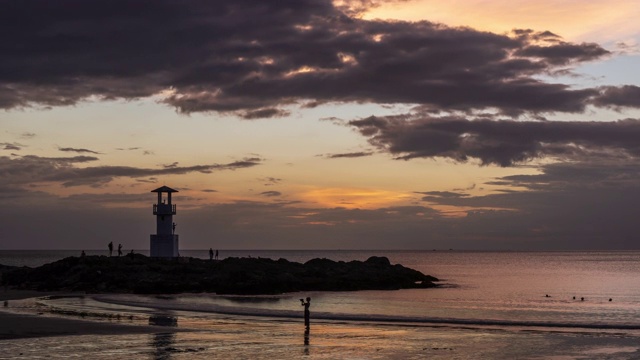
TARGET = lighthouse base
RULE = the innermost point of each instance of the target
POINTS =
(164, 246)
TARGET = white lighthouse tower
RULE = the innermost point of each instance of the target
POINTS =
(165, 242)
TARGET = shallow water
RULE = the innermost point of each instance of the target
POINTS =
(479, 288)
(238, 337)
(494, 307)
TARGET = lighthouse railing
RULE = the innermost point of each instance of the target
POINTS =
(164, 209)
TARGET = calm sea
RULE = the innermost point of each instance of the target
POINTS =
(495, 305)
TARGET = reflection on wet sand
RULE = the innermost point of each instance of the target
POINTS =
(163, 343)
(306, 340)
(306, 305)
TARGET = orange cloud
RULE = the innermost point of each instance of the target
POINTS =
(353, 198)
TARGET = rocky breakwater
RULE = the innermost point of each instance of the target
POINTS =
(250, 276)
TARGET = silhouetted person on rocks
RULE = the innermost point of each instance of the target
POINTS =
(82, 254)
(119, 249)
(110, 248)
(210, 253)
(306, 311)
(216, 254)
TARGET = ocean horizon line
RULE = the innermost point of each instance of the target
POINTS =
(362, 250)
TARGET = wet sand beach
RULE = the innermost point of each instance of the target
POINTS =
(20, 319)
(197, 335)
(14, 326)
(489, 287)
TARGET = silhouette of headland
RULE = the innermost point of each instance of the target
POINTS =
(136, 273)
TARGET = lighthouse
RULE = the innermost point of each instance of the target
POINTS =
(165, 242)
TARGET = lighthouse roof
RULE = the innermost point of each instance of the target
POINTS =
(164, 189)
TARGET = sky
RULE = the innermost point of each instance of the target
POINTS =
(312, 124)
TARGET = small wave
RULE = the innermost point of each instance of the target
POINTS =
(374, 318)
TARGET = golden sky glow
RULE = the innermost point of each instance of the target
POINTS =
(582, 20)
(353, 198)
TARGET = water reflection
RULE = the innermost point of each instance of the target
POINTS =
(163, 343)
(306, 305)
(306, 340)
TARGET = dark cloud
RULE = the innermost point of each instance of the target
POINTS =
(33, 169)
(264, 113)
(27, 135)
(356, 8)
(587, 205)
(108, 198)
(244, 163)
(77, 150)
(252, 57)
(349, 155)
(443, 194)
(270, 181)
(271, 193)
(470, 187)
(624, 96)
(209, 190)
(97, 176)
(563, 53)
(628, 48)
(334, 120)
(28, 169)
(11, 146)
(500, 142)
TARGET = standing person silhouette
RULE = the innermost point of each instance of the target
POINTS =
(210, 253)
(306, 311)
(110, 248)
(119, 250)
(216, 254)
(306, 323)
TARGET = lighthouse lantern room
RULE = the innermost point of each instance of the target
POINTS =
(165, 242)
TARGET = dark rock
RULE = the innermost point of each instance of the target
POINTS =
(140, 274)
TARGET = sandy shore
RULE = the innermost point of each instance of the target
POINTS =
(26, 335)
(15, 325)
(11, 294)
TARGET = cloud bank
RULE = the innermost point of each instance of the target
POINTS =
(34, 169)
(499, 142)
(253, 58)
